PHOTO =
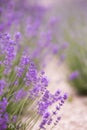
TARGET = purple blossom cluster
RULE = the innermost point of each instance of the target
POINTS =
(7, 51)
(74, 75)
(4, 116)
(2, 86)
(51, 117)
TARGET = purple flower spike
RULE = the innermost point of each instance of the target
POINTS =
(20, 95)
(74, 75)
(2, 86)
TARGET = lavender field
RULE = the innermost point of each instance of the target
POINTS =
(43, 65)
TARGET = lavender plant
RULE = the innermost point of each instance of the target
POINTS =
(24, 97)
(23, 89)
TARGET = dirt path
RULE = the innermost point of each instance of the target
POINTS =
(74, 113)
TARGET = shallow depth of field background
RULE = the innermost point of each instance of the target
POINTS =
(71, 28)
(66, 66)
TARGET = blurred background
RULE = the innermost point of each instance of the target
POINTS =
(64, 55)
(68, 69)
(56, 33)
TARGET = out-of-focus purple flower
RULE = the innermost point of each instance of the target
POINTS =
(24, 61)
(31, 75)
(64, 45)
(4, 116)
(74, 75)
(62, 57)
(14, 118)
(65, 96)
(8, 49)
(4, 120)
(20, 95)
(3, 105)
(2, 86)
(17, 36)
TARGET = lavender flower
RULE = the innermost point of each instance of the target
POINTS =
(2, 86)
(4, 116)
(74, 75)
(20, 95)
(45, 103)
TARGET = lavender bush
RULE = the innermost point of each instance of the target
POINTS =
(23, 89)
(24, 96)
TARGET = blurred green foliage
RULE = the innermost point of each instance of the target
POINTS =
(76, 35)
